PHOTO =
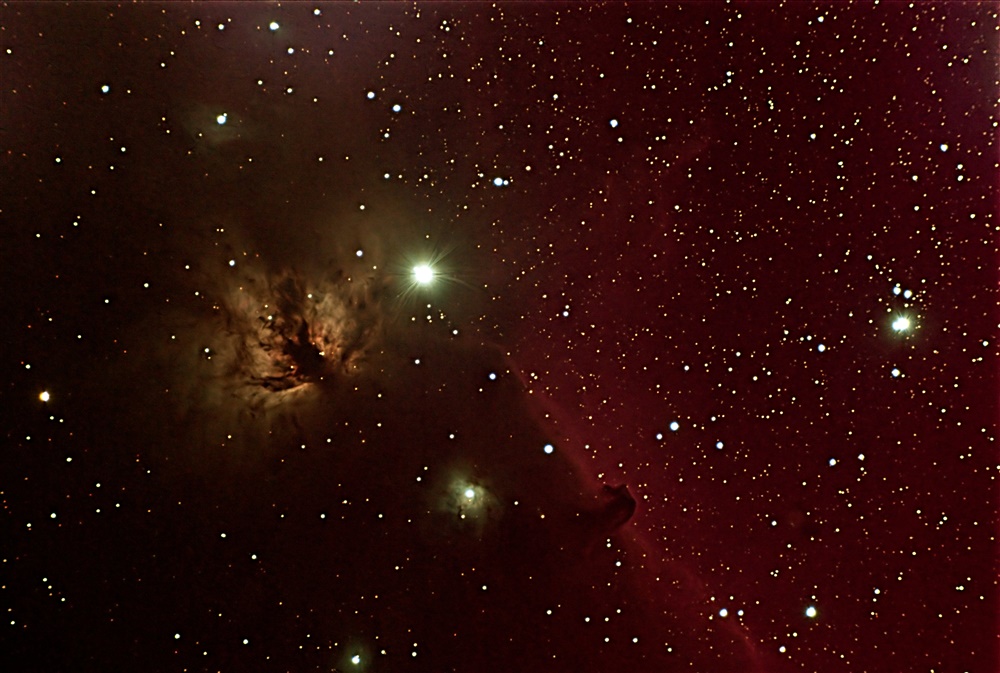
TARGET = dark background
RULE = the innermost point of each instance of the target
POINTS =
(703, 214)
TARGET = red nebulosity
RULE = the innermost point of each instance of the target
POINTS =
(499, 337)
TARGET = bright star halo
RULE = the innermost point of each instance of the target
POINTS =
(467, 506)
(423, 274)
(429, 275)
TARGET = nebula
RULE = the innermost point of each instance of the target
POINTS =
(498, 337)
(400, 489)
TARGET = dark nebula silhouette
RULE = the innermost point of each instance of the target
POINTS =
(374, 487)
(647, 412)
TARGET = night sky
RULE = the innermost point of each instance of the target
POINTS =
(512, 337)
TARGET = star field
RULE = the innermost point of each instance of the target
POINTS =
(499, 337)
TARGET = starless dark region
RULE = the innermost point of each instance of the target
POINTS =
(510, 337)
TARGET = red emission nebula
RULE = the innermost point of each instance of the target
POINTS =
(499, 337)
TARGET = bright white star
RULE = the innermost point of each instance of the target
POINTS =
(901, 324)
(423, 274)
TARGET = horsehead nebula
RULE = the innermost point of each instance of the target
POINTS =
(498, 337)
(316, 386)
(397, 478)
